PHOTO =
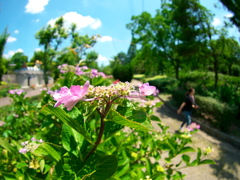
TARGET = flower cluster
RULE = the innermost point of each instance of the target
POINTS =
(70, 97)
(16, 91)
(208, 150)
(193, 126)
(2, 123)
(30, 146)
(83, 70)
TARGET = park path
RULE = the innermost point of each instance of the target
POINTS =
(30, 93)
(227, 157)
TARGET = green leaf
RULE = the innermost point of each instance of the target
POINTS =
(118, 118)
(207, 161)
(194, 163)
(155, 118)
(49, 150)
(111, 128)
(186, 159)
(21, 164)
(7, 146)
(138, 116)
(106, 167)
(42, 164)
(122, 170)
(63, 116)
(186, 149)
(71, 139)
(8, 176)
(199, 154)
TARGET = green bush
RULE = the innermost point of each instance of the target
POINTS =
(236, 70)
(123, 73)
(165, 84)
(224, 114)
(203, 82)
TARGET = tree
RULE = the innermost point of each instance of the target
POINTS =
(79, 44)
(3, 40)
(233, 6)
(91, 58)
(51, 38)
(19, 59)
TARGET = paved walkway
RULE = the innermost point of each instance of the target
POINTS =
(30, 93)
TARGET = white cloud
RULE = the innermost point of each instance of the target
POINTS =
(229, 15)
(37, 20)
(38, 49)
(80, 20)
(104, 39)
(36, 6)
(16, 31)
(216, 22)
(12, 52)
(11, 39)
(102, 60)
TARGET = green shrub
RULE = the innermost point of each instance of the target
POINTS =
(224, 114)
(123, 73)
(236, 70)
(203, 82)
(165, 84)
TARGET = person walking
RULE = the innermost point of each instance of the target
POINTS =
(187, 107)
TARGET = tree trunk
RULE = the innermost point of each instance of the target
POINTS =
(215, 70)
(177, 69)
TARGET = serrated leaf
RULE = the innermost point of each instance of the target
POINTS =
(48, 150)
(207, 161)
(186, 149)
(63, 116)
(133, 115)
(111, 128)
(71, 139)
(106, 167)
(118, 118)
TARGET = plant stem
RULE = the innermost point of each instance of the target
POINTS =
(98, 140)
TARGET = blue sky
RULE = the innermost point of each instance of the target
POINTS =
(107, 18)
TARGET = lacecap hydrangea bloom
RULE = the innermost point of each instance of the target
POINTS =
(70, 97)
(16, 91)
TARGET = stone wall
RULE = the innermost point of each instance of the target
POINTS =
(9, 78)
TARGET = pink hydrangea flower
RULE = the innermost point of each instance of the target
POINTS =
(94, 73)
(23, 151)
(2, 123)
(102, 74)
(11, 92)
(193, 126)
(70, 97)
(16, 91)
(146, 90)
